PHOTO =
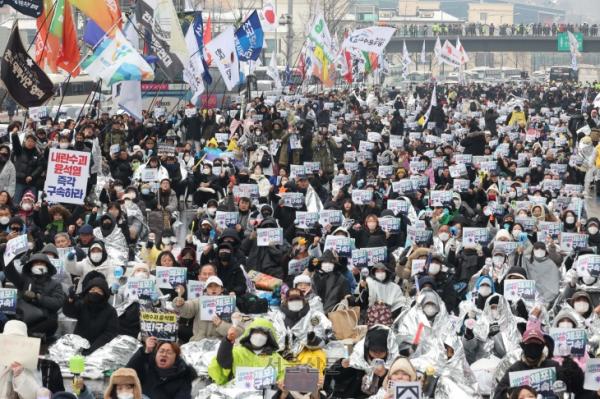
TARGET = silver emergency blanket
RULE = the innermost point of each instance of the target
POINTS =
(199, 354)
(312, 201)
(358, 361)
(455, 377)
(115, 243)
(407, 323)
(504, 365)
(215, 391)
(111, 356)
(509, 334)
(65, 348)
(314, 321)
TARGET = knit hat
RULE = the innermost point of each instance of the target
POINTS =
(15, 327)
(86, 229)
(302, 278)
(124, 376)
(28, 196)
(50, 249)
(515, 270)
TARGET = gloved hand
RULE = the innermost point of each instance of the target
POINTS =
(149, 244)
(71, 255)
(29, 295)
(72, 291)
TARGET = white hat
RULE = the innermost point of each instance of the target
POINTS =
(213, 280)
(15, 327)
(301, 278)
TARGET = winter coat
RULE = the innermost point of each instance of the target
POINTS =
(106, 266)
(8, 177)
(266, 260)
(546, 275)
(232, 276)
(175, 384)
(27, 162)
(24, 386)
(98, 323)
(474, 143)
(323, 153)
(331, 287)
(202, 328)
(51, 297)
(229, 357)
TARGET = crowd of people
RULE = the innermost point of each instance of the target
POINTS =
(369, 239)
(491, 29)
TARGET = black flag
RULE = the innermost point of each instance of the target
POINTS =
(32, 8)
(25, 81)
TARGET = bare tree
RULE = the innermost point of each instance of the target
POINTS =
(333, 12)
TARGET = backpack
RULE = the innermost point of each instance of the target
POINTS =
(379, 313)
(252, 304)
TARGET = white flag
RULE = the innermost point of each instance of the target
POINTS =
(127, 96)
(464, 58)
(222, 50)
(272, 70)
(449, 55)
(437, 50)
(372, 40)
(268, 18)
(130, 32)
(433, 103)
(193, 68)
(574, 48)
(423, 56)
(406, 61)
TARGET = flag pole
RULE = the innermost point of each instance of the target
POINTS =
(41, 26)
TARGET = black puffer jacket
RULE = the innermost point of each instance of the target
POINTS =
(331, 287)
(96, 322)
(27, 162)
(173, 383)
(51, 296)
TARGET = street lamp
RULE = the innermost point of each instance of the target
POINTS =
(286, 19)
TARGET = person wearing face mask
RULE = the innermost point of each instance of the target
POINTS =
(371, 234)
(379, 288)
(112, 236)
(29, 164)
(303, 282)
(41, 297)
(97, 320)
(257, 347)
(535, 355)
(229, 269)
(54, 220)
(570, 222)
(568, 318)
(8, 173)
(97, 260)
(190, 309)
(263, 259)
(442, 241)
(5, 216)
(124, 384)
(187, 259)
(592, 227)
(205, 184)
(329, 281)
(543, 270)
(27, 208)
(484, 287)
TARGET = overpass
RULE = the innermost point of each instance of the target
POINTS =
(480, 44)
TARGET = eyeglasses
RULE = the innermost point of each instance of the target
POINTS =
(166, 352)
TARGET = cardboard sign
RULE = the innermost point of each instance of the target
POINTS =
(418, 266)
(550, 228)
(297, 170)
(166, 150)
(399, 206)
(297, 266)
(312, 167)
(254, 378)
(149, 174)
(440, 197)
(225, 219)
(8, 300)
(170, 277)
(306, 220)
(221, 305)
(343, 246)
(417, 234)
(195, 289)
(66, 176)
(163, 326)
(407, 390)
(590, 264)
(520, 289)
(569, 341)
(572, 241)
(390, 224)
(266, 237)
(461, 185)
(403, 186)
(15, 246)
(506, 247)
(362, 197)
(301, 379)
(293, 200)
(19, 349)
(331, 216)
(475, 235)
(592, 375)
(539, 379)
(367, 257)
(458, 170)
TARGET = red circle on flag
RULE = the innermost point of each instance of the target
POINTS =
(269, 14)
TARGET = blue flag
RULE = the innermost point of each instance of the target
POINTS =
(249, 38)
(93, 33)
(198, 27)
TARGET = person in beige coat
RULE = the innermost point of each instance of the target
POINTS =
(215, 328)
(124, 383)
(17, 382)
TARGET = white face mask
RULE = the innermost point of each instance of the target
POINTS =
(498, 260)
(434, 268)
(64, 145)
(516, 234)
(380, 276)
(485, 290)
(430, 310)
(444, 236)
(39, 270)
(295, 306)
(140, 275)
(570, 219)
(565, 324)
(539, 253)
(258, 340)
(327, 267)
(581, 307)
(125, 395)
(26, 206)
(588, 280)
(592, 230)
(211, 211)
(4, 220)
(494, 314)
(96, 257)
(206, 171)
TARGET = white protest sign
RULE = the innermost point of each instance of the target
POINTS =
(254, 378)
(592, 374)
(539, 379)
(15, 246)
(569, 341)
(475, 235)
(519, 289)
(195, 289)
(220, 305)
(170, 277)
(66, 176)
(23, 350)
(362, 197)
(297, 266)
(406, 390)
(266, 237)
(225, 219)
(306, 220)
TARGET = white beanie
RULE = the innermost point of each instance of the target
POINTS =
(302, 278)
(15, 327)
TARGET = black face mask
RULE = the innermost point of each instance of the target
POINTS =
(243, 178)
(225, 256)
(93, 298)
(533, 350)
(79, 145)
(187, 262)
(3, 158)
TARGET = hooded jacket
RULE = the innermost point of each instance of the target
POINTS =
(546, 275)
(51, 295)
(106, 266)
(114, 240)
(96, 322)
(266, 260)
(331, 287)
(124, 376)
(229, 356)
